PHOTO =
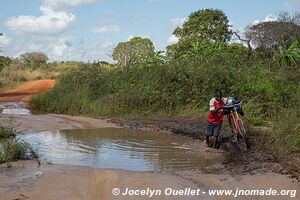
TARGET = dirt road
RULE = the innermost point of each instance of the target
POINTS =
(25, 91)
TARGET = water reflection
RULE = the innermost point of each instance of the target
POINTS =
(120, 148)
(14, 108)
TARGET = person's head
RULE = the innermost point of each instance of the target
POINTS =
(218, 95)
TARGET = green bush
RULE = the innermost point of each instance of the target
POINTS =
(12, 148)
(7, 131)
(4, 62)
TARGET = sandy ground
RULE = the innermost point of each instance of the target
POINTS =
(27, 180)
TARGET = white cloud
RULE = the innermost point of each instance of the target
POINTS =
(268, 18)
(59, 49)
(65, 48)
(46, 33)
(51, 23)
(172, 40)
(175, 22)
(56, 48)
(58, 5)
(55, 19)
(106, 28)
(4, 41)
(178, 22)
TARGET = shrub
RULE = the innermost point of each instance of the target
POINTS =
(12, 148)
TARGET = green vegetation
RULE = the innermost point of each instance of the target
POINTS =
(13, 148)
(7, 131)
(4, 61)
(266, 77)
(33, 60)
(128, 53)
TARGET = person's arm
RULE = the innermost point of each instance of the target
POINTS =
(212, 107)
(217, 110)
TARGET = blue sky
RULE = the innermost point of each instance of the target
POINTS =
(89, 29)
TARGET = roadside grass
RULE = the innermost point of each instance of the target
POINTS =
(15, 73)
(11, 77)
(286, 130)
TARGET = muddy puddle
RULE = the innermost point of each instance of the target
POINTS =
(120, 148)
(14, 108)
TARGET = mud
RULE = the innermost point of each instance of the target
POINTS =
(257, 159)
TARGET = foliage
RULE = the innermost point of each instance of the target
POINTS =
(267, 36)
(7, 131)
(4, 61)
(153, 58)
(33, 60)
(169, 87)
(127, 53)
(207, 25)
(13, 148)
(206, 49)
(286, 129)
(290, 55)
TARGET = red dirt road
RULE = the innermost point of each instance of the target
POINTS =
(24, 92)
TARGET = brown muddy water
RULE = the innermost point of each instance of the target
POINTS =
(120, 148)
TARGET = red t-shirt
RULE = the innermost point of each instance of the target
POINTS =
(216, 118)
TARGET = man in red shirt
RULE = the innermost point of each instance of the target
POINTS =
(215, 117)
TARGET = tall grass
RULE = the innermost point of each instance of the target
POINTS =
(16, 73)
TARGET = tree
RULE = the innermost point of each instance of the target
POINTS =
(4, 61)
(268, 35)
(33, 60)
(210, 25)
(206, 24)
(128, 53)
